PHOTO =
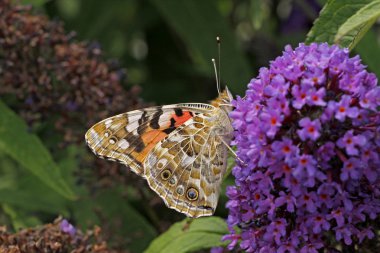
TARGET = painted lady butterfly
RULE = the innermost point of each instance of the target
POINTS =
(180, 149)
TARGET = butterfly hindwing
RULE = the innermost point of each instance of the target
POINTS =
(186, 168)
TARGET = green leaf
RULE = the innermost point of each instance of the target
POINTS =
(199, 23)
(67, 160)
(231, 162)
(19, 219)
(369, 51)
(333, 16)
(361, 21)
(69, 8)
(201, 233)
(135, 226)
(83, 212)
(27, 150)
(136, 231)
(35, 3)
(19, 188)
(29, 201)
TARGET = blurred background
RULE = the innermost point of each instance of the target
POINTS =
(167, 46)
(66, 64)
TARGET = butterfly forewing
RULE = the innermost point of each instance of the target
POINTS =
(129, 137)
(118, 138)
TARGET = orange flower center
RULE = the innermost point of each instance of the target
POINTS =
(286, 149)
(286, 168)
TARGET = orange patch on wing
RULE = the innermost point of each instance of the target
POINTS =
(150, 139)
(152, 136)
(179, 120)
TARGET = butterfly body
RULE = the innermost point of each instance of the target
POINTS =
(179, 149)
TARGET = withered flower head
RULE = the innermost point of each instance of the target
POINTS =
(52, 238)
(58, 85)
(48, 77)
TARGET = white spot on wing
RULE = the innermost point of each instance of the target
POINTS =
(123, 144)
(94, 136)
(131, 127)
(133, 122)
(187, 161)
(115, 126)
(152, 159)
(177, 138)
(108, 123)
(164, 120)
(162, 163)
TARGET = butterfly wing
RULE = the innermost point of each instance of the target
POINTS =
(129, 137)
(175, 147)
(187, 167)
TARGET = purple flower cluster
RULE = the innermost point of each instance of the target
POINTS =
(308, 131)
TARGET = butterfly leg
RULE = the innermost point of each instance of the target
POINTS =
(231, 150)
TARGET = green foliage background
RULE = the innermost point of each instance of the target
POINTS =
(166, 47)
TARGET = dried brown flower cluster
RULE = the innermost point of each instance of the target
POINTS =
(54, 239)
(44, 73)
(51, 80)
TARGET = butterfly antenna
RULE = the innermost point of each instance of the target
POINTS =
(217, 69)
(218, 40)
(216, 75)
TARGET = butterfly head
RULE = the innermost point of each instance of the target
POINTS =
(223, 101)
